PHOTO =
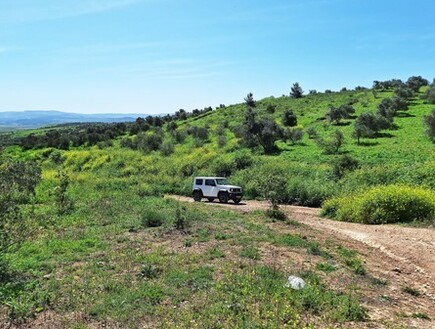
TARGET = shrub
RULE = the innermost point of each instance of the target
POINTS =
(179, 136)
(294, 134)
(383, 204)
(312, 132)
(342, 165)
(167, 147)
(289, 119)
(368, 125)
(242, 160)
(404, 92)
(429, 94)
(389, 107)
(180, 217)
(262, 133)
(64, 203)
(415, 82)
(338, 113)
(223, 167)
(18, 181)
(56, 157)
(333, 144)
(152, 218)
(309, 193)
(271, 108)
(222, 140)
(429, 122)
(149, 142)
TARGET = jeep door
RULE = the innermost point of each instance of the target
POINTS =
(210, 188)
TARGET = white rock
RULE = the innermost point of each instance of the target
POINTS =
(295, 282)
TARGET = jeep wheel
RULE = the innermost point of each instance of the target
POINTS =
(210, 199)
(197, 196)
(237, 201)
(223, 197)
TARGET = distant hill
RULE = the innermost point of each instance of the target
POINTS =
(35, 119)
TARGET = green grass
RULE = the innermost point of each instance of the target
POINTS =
(91, 262)
(118, 258)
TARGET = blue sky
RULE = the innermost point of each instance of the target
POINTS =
(157, 56)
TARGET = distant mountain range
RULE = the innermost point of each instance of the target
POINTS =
(35, 119)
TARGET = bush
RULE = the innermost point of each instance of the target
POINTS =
(222, 140)
(369, 124)
(309, 193)
(64, 204)
(342, 165)
(429, 122)
(429, 95)
(294, 134)
(333, 144)
(152, 218)
(18, 181)
(289, 119)
(312, 132)
(243, 159)
(271, 108)
(167, 147)
(149, 142)
(384, 204)
(262, 133)
(338, 113)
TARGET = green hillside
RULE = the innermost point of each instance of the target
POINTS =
(401, 154)
(101, 246)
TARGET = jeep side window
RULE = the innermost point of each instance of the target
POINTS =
(210, 182)
(198, 182)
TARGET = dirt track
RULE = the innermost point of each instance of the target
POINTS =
(403, 255)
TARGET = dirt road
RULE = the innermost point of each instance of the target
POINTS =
(403, 255)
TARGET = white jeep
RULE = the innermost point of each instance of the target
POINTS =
(215, 187)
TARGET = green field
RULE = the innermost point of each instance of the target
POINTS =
(106, 249)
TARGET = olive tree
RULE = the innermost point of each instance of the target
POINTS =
(296, 91)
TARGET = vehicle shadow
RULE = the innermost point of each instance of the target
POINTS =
(230, 203)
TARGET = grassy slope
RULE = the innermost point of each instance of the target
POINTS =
(105, 266)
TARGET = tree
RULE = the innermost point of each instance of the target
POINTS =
(333, 143)
(271, 108)
(289, 119)
(172, 126)
(181, 114)
(274, 188)
(262, 133)
(404, 92)
(429, 95)
(388, 107)
(296, 91)
(295, 134)
(429, 122)
(368, 125)
(269, 133)
(338, 113)
(416, 82)
(249, 100)
(167, 147)
(149, 142)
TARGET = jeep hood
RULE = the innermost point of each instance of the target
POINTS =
(229, 186)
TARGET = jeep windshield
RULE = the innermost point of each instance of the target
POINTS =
(221, 181)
